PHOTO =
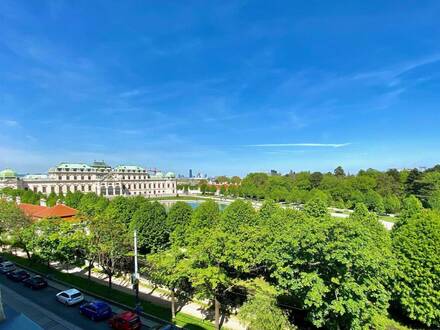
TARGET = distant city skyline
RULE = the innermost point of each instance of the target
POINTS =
(225, 87)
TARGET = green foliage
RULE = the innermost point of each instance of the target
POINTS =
(374, 202)
(150, 221)
(92, 205)
(391, 204)
(120, 209)
(178, 220)
(317, 208)
(238, 213)
(338, 270)
(416, 244)
(361, 213)
(73, 199)
(206, 215)
(261, 312)
(112, 243)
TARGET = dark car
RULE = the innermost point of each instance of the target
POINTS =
(35, 282)
(18, 275)
(96, 310)
(125, 321)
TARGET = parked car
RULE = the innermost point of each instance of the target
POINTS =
(6, 267)
(2, 259)
(125, 321)
(35, 282)
(96, 310)
(18, 275)
(70, 297)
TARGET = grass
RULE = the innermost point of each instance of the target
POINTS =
(187, 321)
(183, 198)
(388, 218)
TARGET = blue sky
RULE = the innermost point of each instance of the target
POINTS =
(223, 87)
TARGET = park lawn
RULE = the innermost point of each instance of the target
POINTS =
(388, 218)
(187, 321)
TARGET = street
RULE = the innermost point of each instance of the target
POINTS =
(45, 299)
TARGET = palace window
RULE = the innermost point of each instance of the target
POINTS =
(90, 178)
(59, 177)
(44, 189)
(67, 177)
(90, 188)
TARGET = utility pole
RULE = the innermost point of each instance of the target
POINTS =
(136, 275)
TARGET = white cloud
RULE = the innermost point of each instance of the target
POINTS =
(9, 123)
(307, 145)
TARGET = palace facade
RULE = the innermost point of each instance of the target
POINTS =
(100, 178)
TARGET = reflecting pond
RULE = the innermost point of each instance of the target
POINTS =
(193, 203)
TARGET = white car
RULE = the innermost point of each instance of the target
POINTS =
(6, 267)
(70, 297)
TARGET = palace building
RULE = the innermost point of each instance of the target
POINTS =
(100, 178)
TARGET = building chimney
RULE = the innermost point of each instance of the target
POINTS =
(42, 202)
(18, 200)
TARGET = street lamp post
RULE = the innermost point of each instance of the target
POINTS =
(136, 275)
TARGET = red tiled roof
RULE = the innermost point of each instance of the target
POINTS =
(37, 211)
(58, 211)
(30, 209)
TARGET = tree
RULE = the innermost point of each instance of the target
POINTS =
(150, 221)
(338, 271)
(434, 200)
(47, 239)
(416, 244)
(316, 208)
(178, 220)
(121, 209)
(361, 213)
(72, 241)
(412, 183)
(339, 171)
(391, 204)
(113, 243)
(374, 202)
(260, 312)
(73, 199)
(315, 179)
(92, 205)
(206, 215)
(163, 269)
(238, 213)
(411, 206)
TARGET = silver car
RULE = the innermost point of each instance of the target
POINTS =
(70, 297)
(6, 267)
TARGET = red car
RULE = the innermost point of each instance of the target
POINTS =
(125, 321)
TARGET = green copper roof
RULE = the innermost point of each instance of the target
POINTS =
(129, 168)
(73, 165)
(170, 175)
(7, 174)
(100, 164)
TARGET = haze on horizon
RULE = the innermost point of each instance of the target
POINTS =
(220, 87)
